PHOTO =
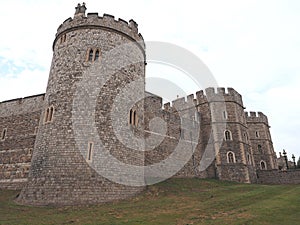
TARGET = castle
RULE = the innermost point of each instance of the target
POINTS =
(208, 135)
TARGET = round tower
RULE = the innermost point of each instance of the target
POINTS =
(87, 50)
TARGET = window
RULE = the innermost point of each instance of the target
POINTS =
(63, 38)
(259, 148)
(246, 136)
(182, 133)
(46, 115)
(225, 115)
(93, 55)
(36, 130)
(263, 165)
(90, 151)
(97, 55)
(133, 118)
(49, 114)
(257, 134)
(227, 135)
(130, 116)
(248, 159)
(3, 135)
(230, 157)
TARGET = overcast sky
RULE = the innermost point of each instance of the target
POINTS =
(250, 45)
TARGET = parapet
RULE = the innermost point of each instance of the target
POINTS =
(258, 117)
(22, 105)
(220, 94)
(108, 22)
(210, 95)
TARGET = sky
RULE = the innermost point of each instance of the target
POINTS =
(250, 45)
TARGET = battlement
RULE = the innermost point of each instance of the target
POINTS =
(258, 117)
(21, 105)
(108, 22)
(221, 94)
(210, 94)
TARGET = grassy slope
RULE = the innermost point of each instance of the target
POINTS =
(176, 201)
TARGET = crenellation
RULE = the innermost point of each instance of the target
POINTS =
(253, 114)
(92, 15)
(167, 106)
(256, 117)
(201, 97)
(92, 21)
(190, 99)
(221, 90)
(232, 92)
(133, 25)
(178, 103)
(124, 22)
(210, 92)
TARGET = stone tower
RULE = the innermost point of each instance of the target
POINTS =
(94, 58)
(261, 141)
(234, 159)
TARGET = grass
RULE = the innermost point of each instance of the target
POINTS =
(175, 201)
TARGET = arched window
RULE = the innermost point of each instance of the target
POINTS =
(91, 55)
(257, 134)
(227, 135)
(97, 54)
(263, 165)
(49, 114)
(230, 157)
(3, 135)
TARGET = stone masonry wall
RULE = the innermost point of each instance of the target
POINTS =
(20, 119)
(278, 177)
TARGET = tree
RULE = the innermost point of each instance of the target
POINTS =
(298, 163)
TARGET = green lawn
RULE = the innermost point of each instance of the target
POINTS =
(176, 201)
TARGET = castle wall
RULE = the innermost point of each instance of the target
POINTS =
(278, 177)
(20, 119)
(218, 111)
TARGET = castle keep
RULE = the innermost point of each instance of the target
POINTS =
(53, 163)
